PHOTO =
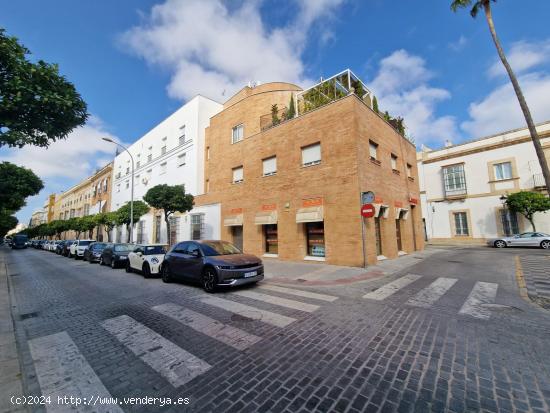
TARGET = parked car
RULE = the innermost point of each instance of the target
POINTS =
(93, 251)
(212, 264)
(527, 239)
(54, 245)
(147, 259)
(59, 247)
(115, 254)
(19, 242)
(77, 248)
(40, 244)
(67, 247)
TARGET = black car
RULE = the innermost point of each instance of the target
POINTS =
(115, 254)
(212, 263)
(93, 251)
(59, 247)
(66, 250)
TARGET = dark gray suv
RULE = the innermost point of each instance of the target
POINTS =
(212, 263)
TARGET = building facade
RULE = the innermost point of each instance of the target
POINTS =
(463, 187)
(292, 188)
(171, 153)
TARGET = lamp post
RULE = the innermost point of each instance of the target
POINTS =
(131, 190)
(505, 222)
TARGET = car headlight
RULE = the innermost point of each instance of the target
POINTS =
(154, 260)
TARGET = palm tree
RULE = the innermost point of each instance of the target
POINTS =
(477, 5)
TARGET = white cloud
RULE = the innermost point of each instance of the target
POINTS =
(500, 110)
(401, 86)
(459, 44)
(209, 48)
(522, 57)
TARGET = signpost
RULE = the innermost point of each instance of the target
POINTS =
(367, 210)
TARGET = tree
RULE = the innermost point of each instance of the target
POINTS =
(527, 204)
(38, 105)
(107, 220)
(59, 227)
(170, 199)
(476, 6)
(16, 184)
(375, 105)
(123, 214)
(275, 115)
(291, 111)
(86, 223)
(7, 222)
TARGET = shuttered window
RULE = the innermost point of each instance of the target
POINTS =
(311, 155)
(270, 166)
(237, 174)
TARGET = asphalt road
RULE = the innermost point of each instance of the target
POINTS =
(450, 333)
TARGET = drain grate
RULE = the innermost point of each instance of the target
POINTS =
(28, 315)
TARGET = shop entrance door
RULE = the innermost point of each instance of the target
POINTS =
(237, 234)
(398, 233)
(378, 235)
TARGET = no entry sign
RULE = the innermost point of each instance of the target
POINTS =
(367, 210)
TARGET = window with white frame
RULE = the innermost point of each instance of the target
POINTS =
(461, 223)
(409, 170)
(503, 170)
(197, 226)
(163, 168)
(137, 180)
(373, 150)
(181, 137)
(127, 184)
(163, 147)
(311, 155)
(238, 175)
(150, 154)
(181, 159)
(270, 166)
(454, 179)
(394, 162)
(237, 133)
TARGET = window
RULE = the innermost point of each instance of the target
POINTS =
(127, 184)
(373, 150)
(394, 162)
(162, 168)
(157, 229)
(208, 152)
(163, 150)
(118, 188)
(150, 154)
(271, 241)
(237, 133)
(409, 170)
(503, 170)
(311, 155)
(207, 189)
(137, 180)
(181, 159)
(181, 138)
(454, 180)
(270, 166)
(127, 170)
(237, 175)
(138, 164)
(197, 225)
(509, 222)
(315, 233)
(461, 223)
(174, 229)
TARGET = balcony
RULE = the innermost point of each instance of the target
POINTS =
(538, 181)
(455, 193)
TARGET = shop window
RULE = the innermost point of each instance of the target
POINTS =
(315, 233)
(271, 240)
(311, 155)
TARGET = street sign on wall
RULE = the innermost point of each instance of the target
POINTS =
(367, 197)
(367, 210)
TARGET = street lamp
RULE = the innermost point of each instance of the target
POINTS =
(131, 190)
(505, 222)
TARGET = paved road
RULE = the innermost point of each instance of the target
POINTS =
(447, 334)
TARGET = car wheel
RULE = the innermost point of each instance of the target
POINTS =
(500, 244)
(146, 271)
(545, 244)
(128, 266)
(166, 275)
(113, 264)
(209, 281)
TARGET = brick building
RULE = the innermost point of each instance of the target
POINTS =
(290, 184)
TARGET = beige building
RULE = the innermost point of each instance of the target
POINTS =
(293, 188)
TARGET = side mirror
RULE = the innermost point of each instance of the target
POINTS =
(139, 253)
(196, 253)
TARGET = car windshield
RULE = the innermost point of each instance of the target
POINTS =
(99, 246)
(84, 242)
(154, 249)
(123, 248)
(211, 248)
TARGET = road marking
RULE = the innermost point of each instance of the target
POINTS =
(482, 293)
(229, 335)
(170, 361)
(275, 319)
(63, 371)
(283, 302)
(433, 292)
(299, 293)
(391, 288)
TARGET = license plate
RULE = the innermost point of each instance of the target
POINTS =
(250, 274)
(123, 258)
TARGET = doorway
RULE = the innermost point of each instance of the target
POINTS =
(237, 235)
(398, 233)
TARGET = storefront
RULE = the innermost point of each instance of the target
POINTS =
(235, 222)
(268, 218)
(311, 216)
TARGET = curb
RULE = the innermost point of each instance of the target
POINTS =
(520, 279)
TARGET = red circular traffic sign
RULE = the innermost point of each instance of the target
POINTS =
(367, 210)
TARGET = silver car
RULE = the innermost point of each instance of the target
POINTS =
(527, 239)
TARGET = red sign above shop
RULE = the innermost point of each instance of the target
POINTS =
(413, 201)
(398, 204)
(367, 210)
(269, 207)
(312, 202)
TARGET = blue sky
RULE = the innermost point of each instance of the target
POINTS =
(135, 62)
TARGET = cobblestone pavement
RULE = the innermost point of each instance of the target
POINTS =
(449, 334)
(536, 272)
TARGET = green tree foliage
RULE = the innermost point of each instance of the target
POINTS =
(86, 224)
(527, 204)
(107, 220)
(375, 105)
(275, 115)
(170, 199)
(7, 222)
(122, 216)
(16, 184)
(37, 105)
(291, 111)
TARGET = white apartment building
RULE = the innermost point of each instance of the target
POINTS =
(463, 186)
(171, 153)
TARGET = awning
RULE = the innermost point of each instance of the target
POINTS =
(405, 213)
(311, 214)
(398, 213)
(377, 208)
(233, 220)
(401, 213)
(265, 218)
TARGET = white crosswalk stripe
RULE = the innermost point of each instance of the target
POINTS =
(229, 335)
(482, 293)
(283, 302)
(63, 371)
(254, 313)
(299, 293)
(391, 288)
(433, 292)
(170, 361)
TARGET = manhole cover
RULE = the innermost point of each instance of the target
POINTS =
(28, 315)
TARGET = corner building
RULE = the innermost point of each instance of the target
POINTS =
(292, 188)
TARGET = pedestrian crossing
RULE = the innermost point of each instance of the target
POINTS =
(482, 293)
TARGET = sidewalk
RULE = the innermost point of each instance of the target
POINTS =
(10, 378)
(536, 272)
(302, 273)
